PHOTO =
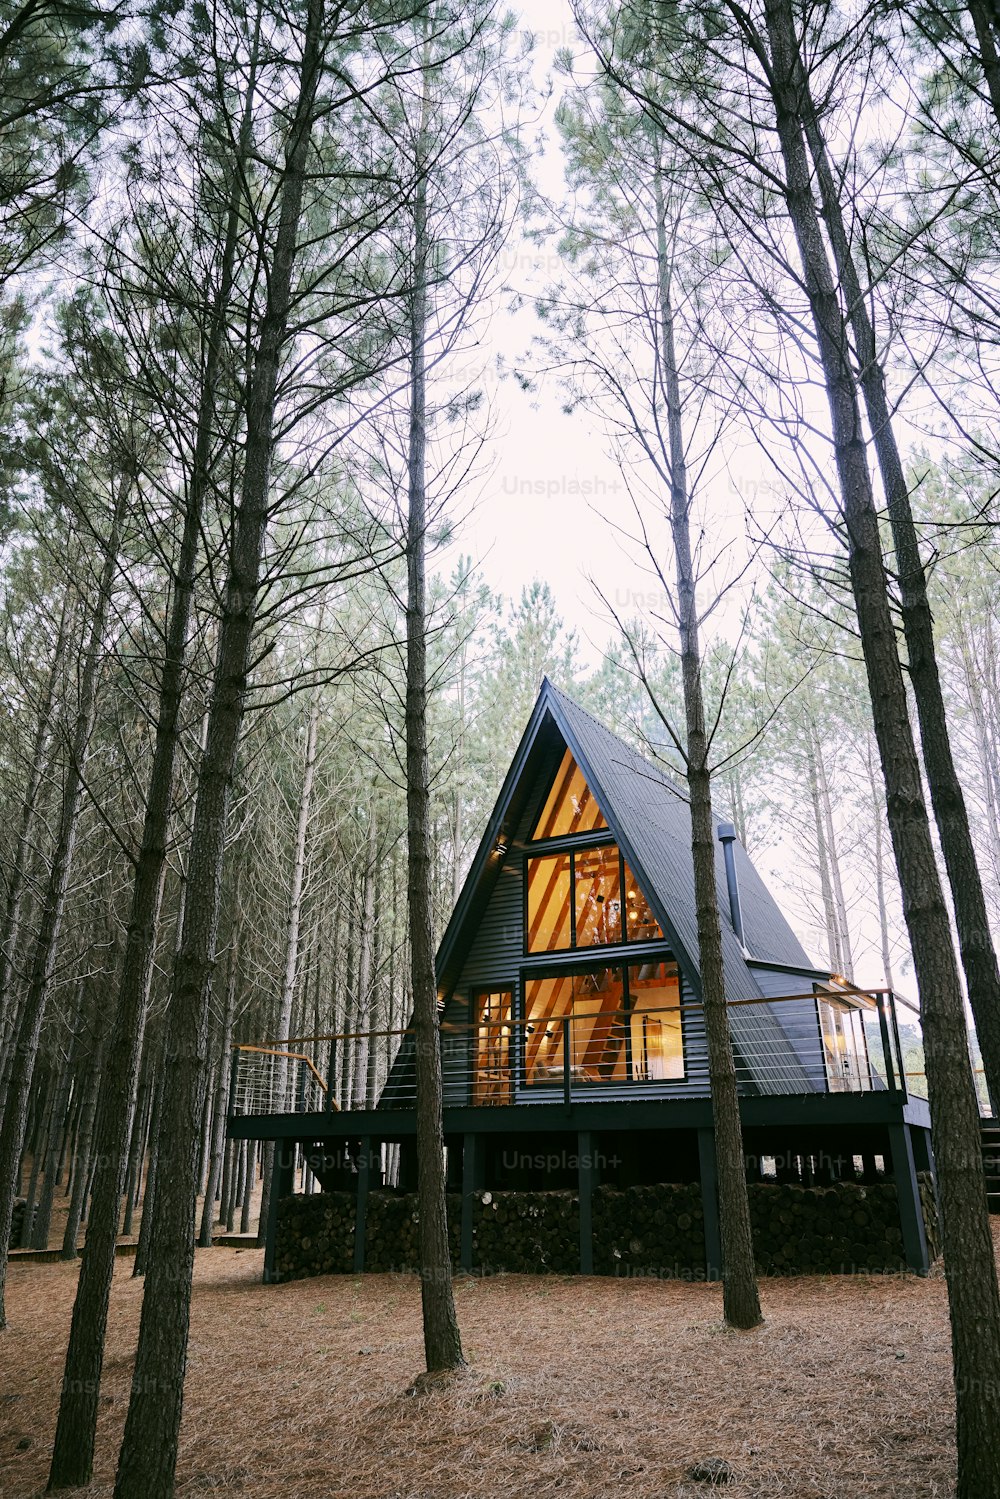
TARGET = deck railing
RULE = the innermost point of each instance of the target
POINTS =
(779, 1047)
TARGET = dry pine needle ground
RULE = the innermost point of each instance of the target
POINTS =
(578, 1388)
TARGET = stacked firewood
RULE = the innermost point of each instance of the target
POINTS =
(530, 1233)
(392, 1240)
(315, 1235)
(655, 1231)
(840, 1229)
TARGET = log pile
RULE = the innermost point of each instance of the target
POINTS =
(315, 1235)
(17, 1221)
(392, 1238)
(656, 1231)
(841, 1229)
(932, 1224)
(527, 1233)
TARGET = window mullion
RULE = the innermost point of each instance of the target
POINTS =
(572, 900)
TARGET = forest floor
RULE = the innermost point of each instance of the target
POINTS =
(576, 1388)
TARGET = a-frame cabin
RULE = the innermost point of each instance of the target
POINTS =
(571, 1030)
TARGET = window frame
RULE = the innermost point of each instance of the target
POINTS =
(838, 1003)
(568, 847)
(595, 833)
(478, 1078)
(624, 961)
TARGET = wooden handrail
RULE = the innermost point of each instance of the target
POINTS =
(294, 1056)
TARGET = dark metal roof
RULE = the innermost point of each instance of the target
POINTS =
(650, 807)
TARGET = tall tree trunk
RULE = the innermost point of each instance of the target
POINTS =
(160, 1073)
(879, 853)
(350, 999)
(366, 936)
(290, 965)
(149, 1449)
(218, 1141)
(39, 1145)
(741, 1303)
(9, 1010)
(230, 1182)
(970, 1268)
(139, 1111)
(336, 1019)
(248, 1176)
(73, 1450)
(442, 1342)
(54, 896)
(822, 858)
(205, 1133)
(987, 25)
(57, 1130)
(845, 956)
(979, 957)
(739, 807)
(85, 1133)
(293, 925)
(377, 1044)
(982, 687)
(457, 826)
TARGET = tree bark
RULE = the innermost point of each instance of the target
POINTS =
(845, 956)
(880, 896)
(9, 1009)
(979, 957)
(148, 1456)
(140, 1107)
(822, 858)
(54, 896)
(85, 1134)
(363, 1042)
(442, 1341)
(741, 1302)
(73, 1450)
(987, 27)
(39, 1145)
(54, 1144)
(218, 1141)
(970, 1268)
(248, 1176)
(141, 1259)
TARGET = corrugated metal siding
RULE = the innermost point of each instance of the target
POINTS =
(497, 946)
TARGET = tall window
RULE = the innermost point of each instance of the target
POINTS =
(622, 1024)
(588, 896)
(570, 807)
(575, 900)
(492, 1083)
(844, 1046)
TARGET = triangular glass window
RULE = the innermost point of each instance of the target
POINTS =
(570, 806)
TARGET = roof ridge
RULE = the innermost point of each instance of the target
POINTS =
(669, 777)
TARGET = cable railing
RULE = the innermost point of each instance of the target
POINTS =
(276, 1080)
(799, 1044)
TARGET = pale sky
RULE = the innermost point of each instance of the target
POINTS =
(552, 497)
(550, 503)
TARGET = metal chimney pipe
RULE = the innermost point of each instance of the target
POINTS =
(727, 837)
